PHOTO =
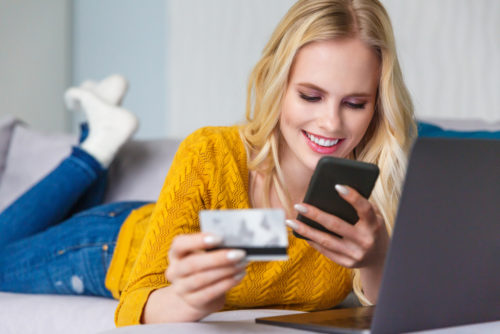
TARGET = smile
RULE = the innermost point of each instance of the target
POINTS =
(321, 141)
(322, 145)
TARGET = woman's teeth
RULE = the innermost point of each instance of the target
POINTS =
(321, 141)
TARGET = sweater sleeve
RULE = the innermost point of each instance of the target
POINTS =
(183, 195)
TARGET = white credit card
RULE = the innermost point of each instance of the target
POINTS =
(260, 232)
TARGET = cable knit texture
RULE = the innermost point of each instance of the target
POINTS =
(210, 171)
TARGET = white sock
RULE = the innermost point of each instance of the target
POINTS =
(109, 126)
(111, 89)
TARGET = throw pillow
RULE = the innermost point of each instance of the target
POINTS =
(31, 156)
(431, 130)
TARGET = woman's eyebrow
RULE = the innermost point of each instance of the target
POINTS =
(312, 86)
(321, 90)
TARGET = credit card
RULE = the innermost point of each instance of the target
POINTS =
(260, 232)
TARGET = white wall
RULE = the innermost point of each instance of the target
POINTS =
(449, 50)
(213, 46)
(34, 61)
(189, 60)
(450, 53)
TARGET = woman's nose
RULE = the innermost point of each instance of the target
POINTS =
(330, 118)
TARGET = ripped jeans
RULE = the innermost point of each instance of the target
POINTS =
(57, 238)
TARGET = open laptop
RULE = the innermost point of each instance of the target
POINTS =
(443, 265)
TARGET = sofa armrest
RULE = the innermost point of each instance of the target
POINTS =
(7, 125)
(31, 155)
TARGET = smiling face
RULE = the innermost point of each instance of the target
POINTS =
(329, 101)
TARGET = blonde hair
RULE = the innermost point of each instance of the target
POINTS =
(392, 130)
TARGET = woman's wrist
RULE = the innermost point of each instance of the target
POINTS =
(371, 278)
(164, 306)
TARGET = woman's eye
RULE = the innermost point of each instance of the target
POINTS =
(355, 105)
(309, 98)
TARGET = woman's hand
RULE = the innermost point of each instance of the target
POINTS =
(199, 279)
(363, 245)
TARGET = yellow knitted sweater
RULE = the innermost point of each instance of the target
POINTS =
(210, 171)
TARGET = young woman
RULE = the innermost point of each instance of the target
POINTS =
(328, 83)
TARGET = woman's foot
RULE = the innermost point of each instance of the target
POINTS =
(111, 89)
(110, 126)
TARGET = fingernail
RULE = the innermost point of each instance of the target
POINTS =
(300, 208)
(341, 189)
(236, 255)
(293, 225)
(212, 240)
(239, 277)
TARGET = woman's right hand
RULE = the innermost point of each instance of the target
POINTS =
(199, 279)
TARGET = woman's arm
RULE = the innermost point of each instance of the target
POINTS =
(199, 280)
(364, 245)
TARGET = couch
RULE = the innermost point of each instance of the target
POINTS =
(137, 173)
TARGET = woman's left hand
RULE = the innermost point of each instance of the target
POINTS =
(362, 245)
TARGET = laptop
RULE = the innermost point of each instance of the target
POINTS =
(443, 264)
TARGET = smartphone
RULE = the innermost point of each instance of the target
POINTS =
(321, 192)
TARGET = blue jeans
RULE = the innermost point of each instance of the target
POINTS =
(57, 238)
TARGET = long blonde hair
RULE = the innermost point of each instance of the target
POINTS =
(392, 130)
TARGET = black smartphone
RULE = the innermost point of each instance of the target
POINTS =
(322, 193)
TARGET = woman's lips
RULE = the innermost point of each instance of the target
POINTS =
(320, 144)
